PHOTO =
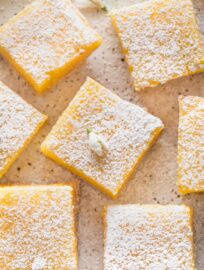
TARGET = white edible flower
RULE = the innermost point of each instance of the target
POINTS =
(111, 5)
(101, 4)
(97, 144)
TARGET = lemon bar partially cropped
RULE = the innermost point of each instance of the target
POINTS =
(101, 137)
(19, 122)
(148, 237)
(191, 144)
(47, 40)
(38, 228)
(161, 41)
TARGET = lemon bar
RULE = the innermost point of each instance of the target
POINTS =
(47, 40)
(101, 137)
(148, 237)
(191, 144)
(161, 41)
(38, 228)
(19, 122)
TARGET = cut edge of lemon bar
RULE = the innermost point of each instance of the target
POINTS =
(49, 153)
(53, 76)
(191, 109)
(154, 207)
(20, 151)
(71, 187)
(191, 68)
(11, 159)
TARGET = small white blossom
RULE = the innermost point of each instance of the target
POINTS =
(100, 3)
(97, 144)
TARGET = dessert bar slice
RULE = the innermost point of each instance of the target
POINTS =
(38, 228)
(161, 41)
(101, 137)
(144, 237)
(191, 144)
(19, 122)
(47, 40)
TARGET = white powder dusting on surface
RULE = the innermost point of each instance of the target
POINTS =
(37, 228)
(19, 121)
(148, 237)
(161, 41)
(155, 179)
(46, 36)
(191, 144)
(127, 129)
(39, 263)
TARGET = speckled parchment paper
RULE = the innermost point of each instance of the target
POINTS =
(155, 179)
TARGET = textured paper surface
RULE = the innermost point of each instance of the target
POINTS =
(155, 179)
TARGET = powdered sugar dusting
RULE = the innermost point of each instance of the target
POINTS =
(148, 237)
(127, 129)
(161, 41)
(37, 228)
(39, 263)
(46, 36)
(191, 144)
(19, 121)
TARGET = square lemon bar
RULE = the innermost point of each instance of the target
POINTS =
(101, 137)
(148, 237)
(19, 122)
(191, 144)
(38, 229)
(161, 41)
(47, 40)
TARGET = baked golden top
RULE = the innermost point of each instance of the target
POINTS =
(128, 130)
(37, 228)
(142, 237)
(43, 39)
(191, 144)
(19, 121)
(161, 40)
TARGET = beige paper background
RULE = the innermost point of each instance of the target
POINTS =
(155, 179)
